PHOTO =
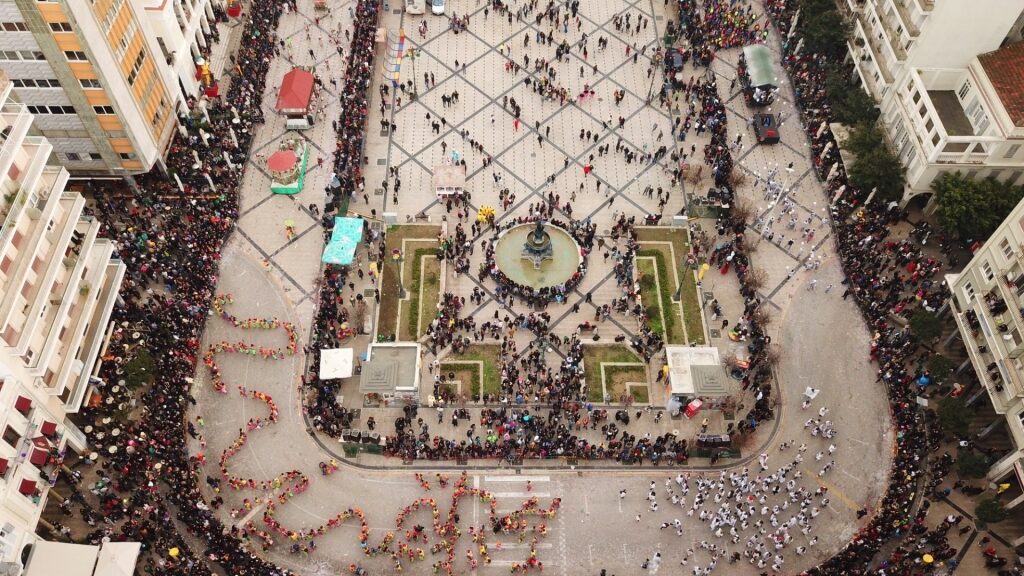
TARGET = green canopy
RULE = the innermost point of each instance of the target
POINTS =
(344, 241)
(759, 65)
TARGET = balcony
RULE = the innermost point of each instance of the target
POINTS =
(868, 57)
(886, 18)
(908, 22)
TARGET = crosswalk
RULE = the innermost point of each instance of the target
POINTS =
(510, 492)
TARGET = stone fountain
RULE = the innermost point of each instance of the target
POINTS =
(537, 247)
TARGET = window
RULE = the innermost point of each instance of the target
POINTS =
(986, 270)
(60, 26)
(73, 157)
(51, 109)
(90, 83)
(31, 55)
(1011, 151)
(75, 56)
(108, 110)
(136, 67)
(14, 27)
(11, 436)
(964, 89)
(127, 155)
(95, 156)
(39, 83)
(1004, 246)
(969, 291)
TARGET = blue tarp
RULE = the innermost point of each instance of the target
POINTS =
(348, 232)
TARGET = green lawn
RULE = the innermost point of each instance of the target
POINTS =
(489, 354)
(596, 354)
(426, 272)
(426, 236)
(650, 239)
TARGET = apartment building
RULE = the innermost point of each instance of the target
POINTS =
(93, 75)
(183, 32)
(988, 303)
(943, 74)
(58, 286)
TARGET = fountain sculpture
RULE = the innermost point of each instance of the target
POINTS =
(537, 247)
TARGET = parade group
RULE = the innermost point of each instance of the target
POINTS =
(149, 484)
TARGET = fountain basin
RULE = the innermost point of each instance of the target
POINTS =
(508, 255)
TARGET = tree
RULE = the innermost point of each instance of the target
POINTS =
(973, 209)
(824, 30)
(876, 167)
(850, 103)
(939, 366)
(925, 326)
(970, 464)
(955, 415)
(140, 370)
(991, 511)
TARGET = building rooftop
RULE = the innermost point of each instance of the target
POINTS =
(1004, 68)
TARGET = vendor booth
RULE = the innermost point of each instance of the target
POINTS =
(449, 179)
(287, 166)
(391, 373)
(696, 378)
(757, 75)
(345, 238)
(294, 99)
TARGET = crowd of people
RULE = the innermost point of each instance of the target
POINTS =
(171, 248)
(884, 277)
(333, 318)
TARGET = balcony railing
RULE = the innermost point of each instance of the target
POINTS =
(908, 23)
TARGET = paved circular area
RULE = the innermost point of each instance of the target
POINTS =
(822, 336)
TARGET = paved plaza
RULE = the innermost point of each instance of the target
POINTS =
(821, 335)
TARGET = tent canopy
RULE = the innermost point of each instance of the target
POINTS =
(296, 92)
(347, 234)
(118, 559)
(759, 65)
(335, 363)
(49, 558)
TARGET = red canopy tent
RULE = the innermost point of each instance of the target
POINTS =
(295, 93)
(23, 405)
(4, 463)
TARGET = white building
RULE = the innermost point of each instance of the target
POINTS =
(988, 303)
(182, 30)
(58, 286)
(947, 92)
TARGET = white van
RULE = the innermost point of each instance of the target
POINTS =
(437, 7)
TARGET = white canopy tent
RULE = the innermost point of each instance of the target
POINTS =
(118, 559)
(335, 363)
(53, 558)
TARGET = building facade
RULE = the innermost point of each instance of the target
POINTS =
(95, 78)
(939, 84)
(988, 303)
(58, 286)
(183, 30)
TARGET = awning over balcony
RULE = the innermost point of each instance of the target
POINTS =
(48, 429)
(38, 457)
(4, 464)
(27, 487)
(23, 405)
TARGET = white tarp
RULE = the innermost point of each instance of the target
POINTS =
(335, 363)
(118, 559)
(52, 558)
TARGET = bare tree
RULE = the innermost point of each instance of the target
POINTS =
(762, 317)
(694, 174)
(772, 355)
(742, 210)
(737, 177)
(755, 278)
(730, 360)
